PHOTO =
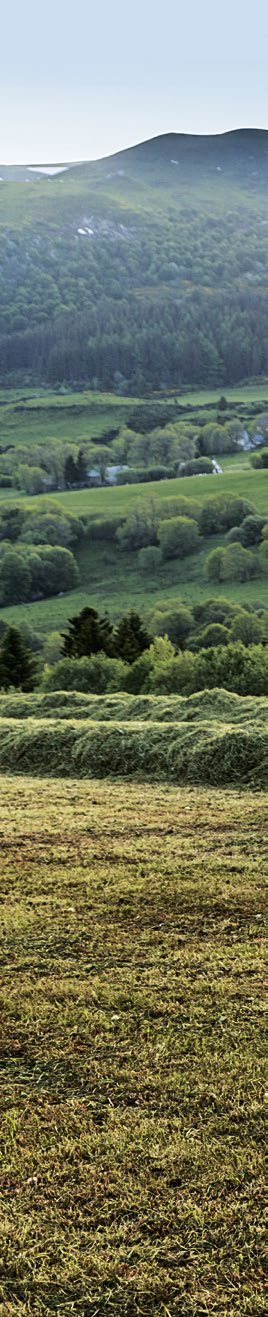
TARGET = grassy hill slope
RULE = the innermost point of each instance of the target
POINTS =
(111, 579)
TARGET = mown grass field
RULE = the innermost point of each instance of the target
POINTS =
(132, 1051)
(214, 737)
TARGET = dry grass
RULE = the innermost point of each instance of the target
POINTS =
(131, 1108)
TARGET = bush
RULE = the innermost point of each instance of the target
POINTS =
(231, 564)
(198, 466)
(231, 666)
(143, 475)
(222, 513)
(59, 571)
(51, 528)
(105, 528)
(150, 559)
(251, 530)
(178, 506)
(15, 578)
(176, 623)
(213, 634)
(178, 537)
(247, 628)
(215, 610)
(234, 667)
(139, 529)
(96, 674)
(213, 565)
(238, 564)
(260, 460)
(264, 555)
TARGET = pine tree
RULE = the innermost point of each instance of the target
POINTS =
(81, 468)
(70, 471)
(17, 665)
(88, 634)
(131, 637)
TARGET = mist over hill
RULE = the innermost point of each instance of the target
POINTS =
(145, 270)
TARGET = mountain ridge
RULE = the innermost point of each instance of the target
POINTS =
(189, 142)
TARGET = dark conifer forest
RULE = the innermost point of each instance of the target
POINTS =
(145, 271)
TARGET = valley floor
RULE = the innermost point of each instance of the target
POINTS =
(132, 1114)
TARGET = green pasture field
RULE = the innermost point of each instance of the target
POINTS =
(75, 417)
(133, 1050)
(30, 416)
(113, 581)
(105, 502)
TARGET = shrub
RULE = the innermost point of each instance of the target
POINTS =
(251, 531)
(213, 565)
(222, 513)
(139, 529)
(137, 677)
(247, 628)
(141, 475)
(260, 460)
(234, 536)
(213, 634)
(215, 610)
(238, 564)
(15, 578)
(96, 674)
(264, 555)
(51, 528)
(178, 537)
(59, 569)
(12, 517)
(178, 506)
(105, 528)
(199, 466)
(176, 623)
(234, 667)
(150, 559)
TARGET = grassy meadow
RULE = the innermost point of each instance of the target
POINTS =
(132, 1053)
(29, 416)
(110, 579)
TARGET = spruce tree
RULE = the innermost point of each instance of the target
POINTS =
(81, 468)
(70, 471)
(88, 634)
(17, 665)
(131, 637)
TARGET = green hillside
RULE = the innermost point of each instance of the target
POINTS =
(148, 269)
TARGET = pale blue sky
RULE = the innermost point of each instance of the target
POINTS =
(82, 80)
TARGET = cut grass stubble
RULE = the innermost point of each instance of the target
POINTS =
(132, 1071)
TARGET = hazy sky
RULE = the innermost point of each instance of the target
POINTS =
(81, 80)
